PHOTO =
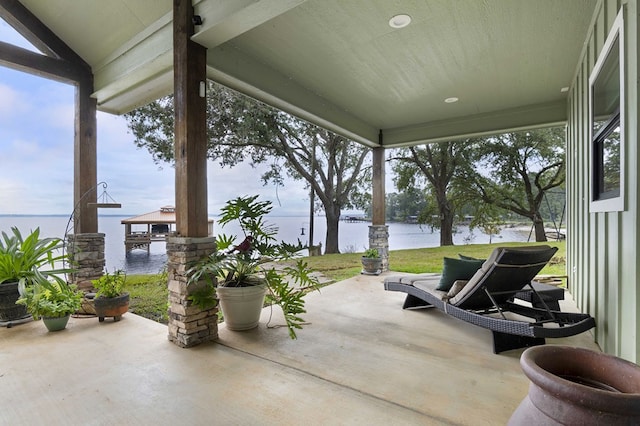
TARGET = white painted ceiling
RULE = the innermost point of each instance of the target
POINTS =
(339, 64)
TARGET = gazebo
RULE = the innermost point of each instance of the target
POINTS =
(157, 226)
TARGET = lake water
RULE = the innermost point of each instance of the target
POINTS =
(353, 237)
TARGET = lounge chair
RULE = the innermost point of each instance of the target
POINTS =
(487, 299)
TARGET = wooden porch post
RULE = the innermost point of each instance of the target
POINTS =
(378, 196)
(189, 66)
(379, 231)
(189, 325)
(85, 158)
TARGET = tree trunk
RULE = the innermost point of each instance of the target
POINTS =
(538, 225)
(331, 241)
(446, 217)
(446, 229)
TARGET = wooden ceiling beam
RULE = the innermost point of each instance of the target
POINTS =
(43, 66)
(39, 35)
(60, 62)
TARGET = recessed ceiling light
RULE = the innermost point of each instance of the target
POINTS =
(400, 21)
(564, 89)
(451, 100)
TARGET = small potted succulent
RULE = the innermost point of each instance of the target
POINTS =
(53, 300)
(110, 299)
(371, 262)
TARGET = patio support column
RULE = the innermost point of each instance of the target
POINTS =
(85, 158)
(188, 324)
(85, 245)
(190, 71)
(379, 231)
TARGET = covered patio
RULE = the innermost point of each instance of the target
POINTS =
(459, 69)
(360, 360)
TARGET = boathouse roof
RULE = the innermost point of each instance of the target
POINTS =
(166, 214)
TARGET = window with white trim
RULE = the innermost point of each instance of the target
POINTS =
(607, 119)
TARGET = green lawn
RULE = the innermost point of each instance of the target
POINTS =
(342, 266)
(149, 292)
(148, 296)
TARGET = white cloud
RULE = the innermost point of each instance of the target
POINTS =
(11, 103)
(225, 184)
(60, 116)
(37, 148)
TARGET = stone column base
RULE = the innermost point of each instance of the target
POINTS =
(379, 239)
(188, 324)
(86, 256)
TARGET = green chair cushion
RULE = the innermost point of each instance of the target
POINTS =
(457, 269)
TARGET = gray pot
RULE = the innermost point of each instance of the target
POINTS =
(371, 265)
(57, 323)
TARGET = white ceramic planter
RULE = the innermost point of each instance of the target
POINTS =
(241, 306)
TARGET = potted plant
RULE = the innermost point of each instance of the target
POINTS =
(240, 275)
(110, 299)
(53, 300)
(371, 262)
(571, 385)
(21, 265)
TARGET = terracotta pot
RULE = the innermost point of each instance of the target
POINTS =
(241, 306)
(111, 306)
(578, 386)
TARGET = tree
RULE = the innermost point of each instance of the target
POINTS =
(442, 170)
(242, 129)
(406, 205)
(515, 170)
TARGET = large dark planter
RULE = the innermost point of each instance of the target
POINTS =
(111, 306)
(578, 386)
(9, 311)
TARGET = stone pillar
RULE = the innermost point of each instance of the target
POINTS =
(188, 324)
(86, 256)
(379, 238)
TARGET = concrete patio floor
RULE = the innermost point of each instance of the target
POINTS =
(360, 360)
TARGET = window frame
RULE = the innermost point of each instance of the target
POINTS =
(597, 145)
(613, 200)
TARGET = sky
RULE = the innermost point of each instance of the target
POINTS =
(36, 157)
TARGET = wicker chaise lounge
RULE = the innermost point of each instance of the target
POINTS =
(487, 299)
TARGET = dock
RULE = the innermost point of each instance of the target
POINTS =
(353, 219)
(140, 231)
